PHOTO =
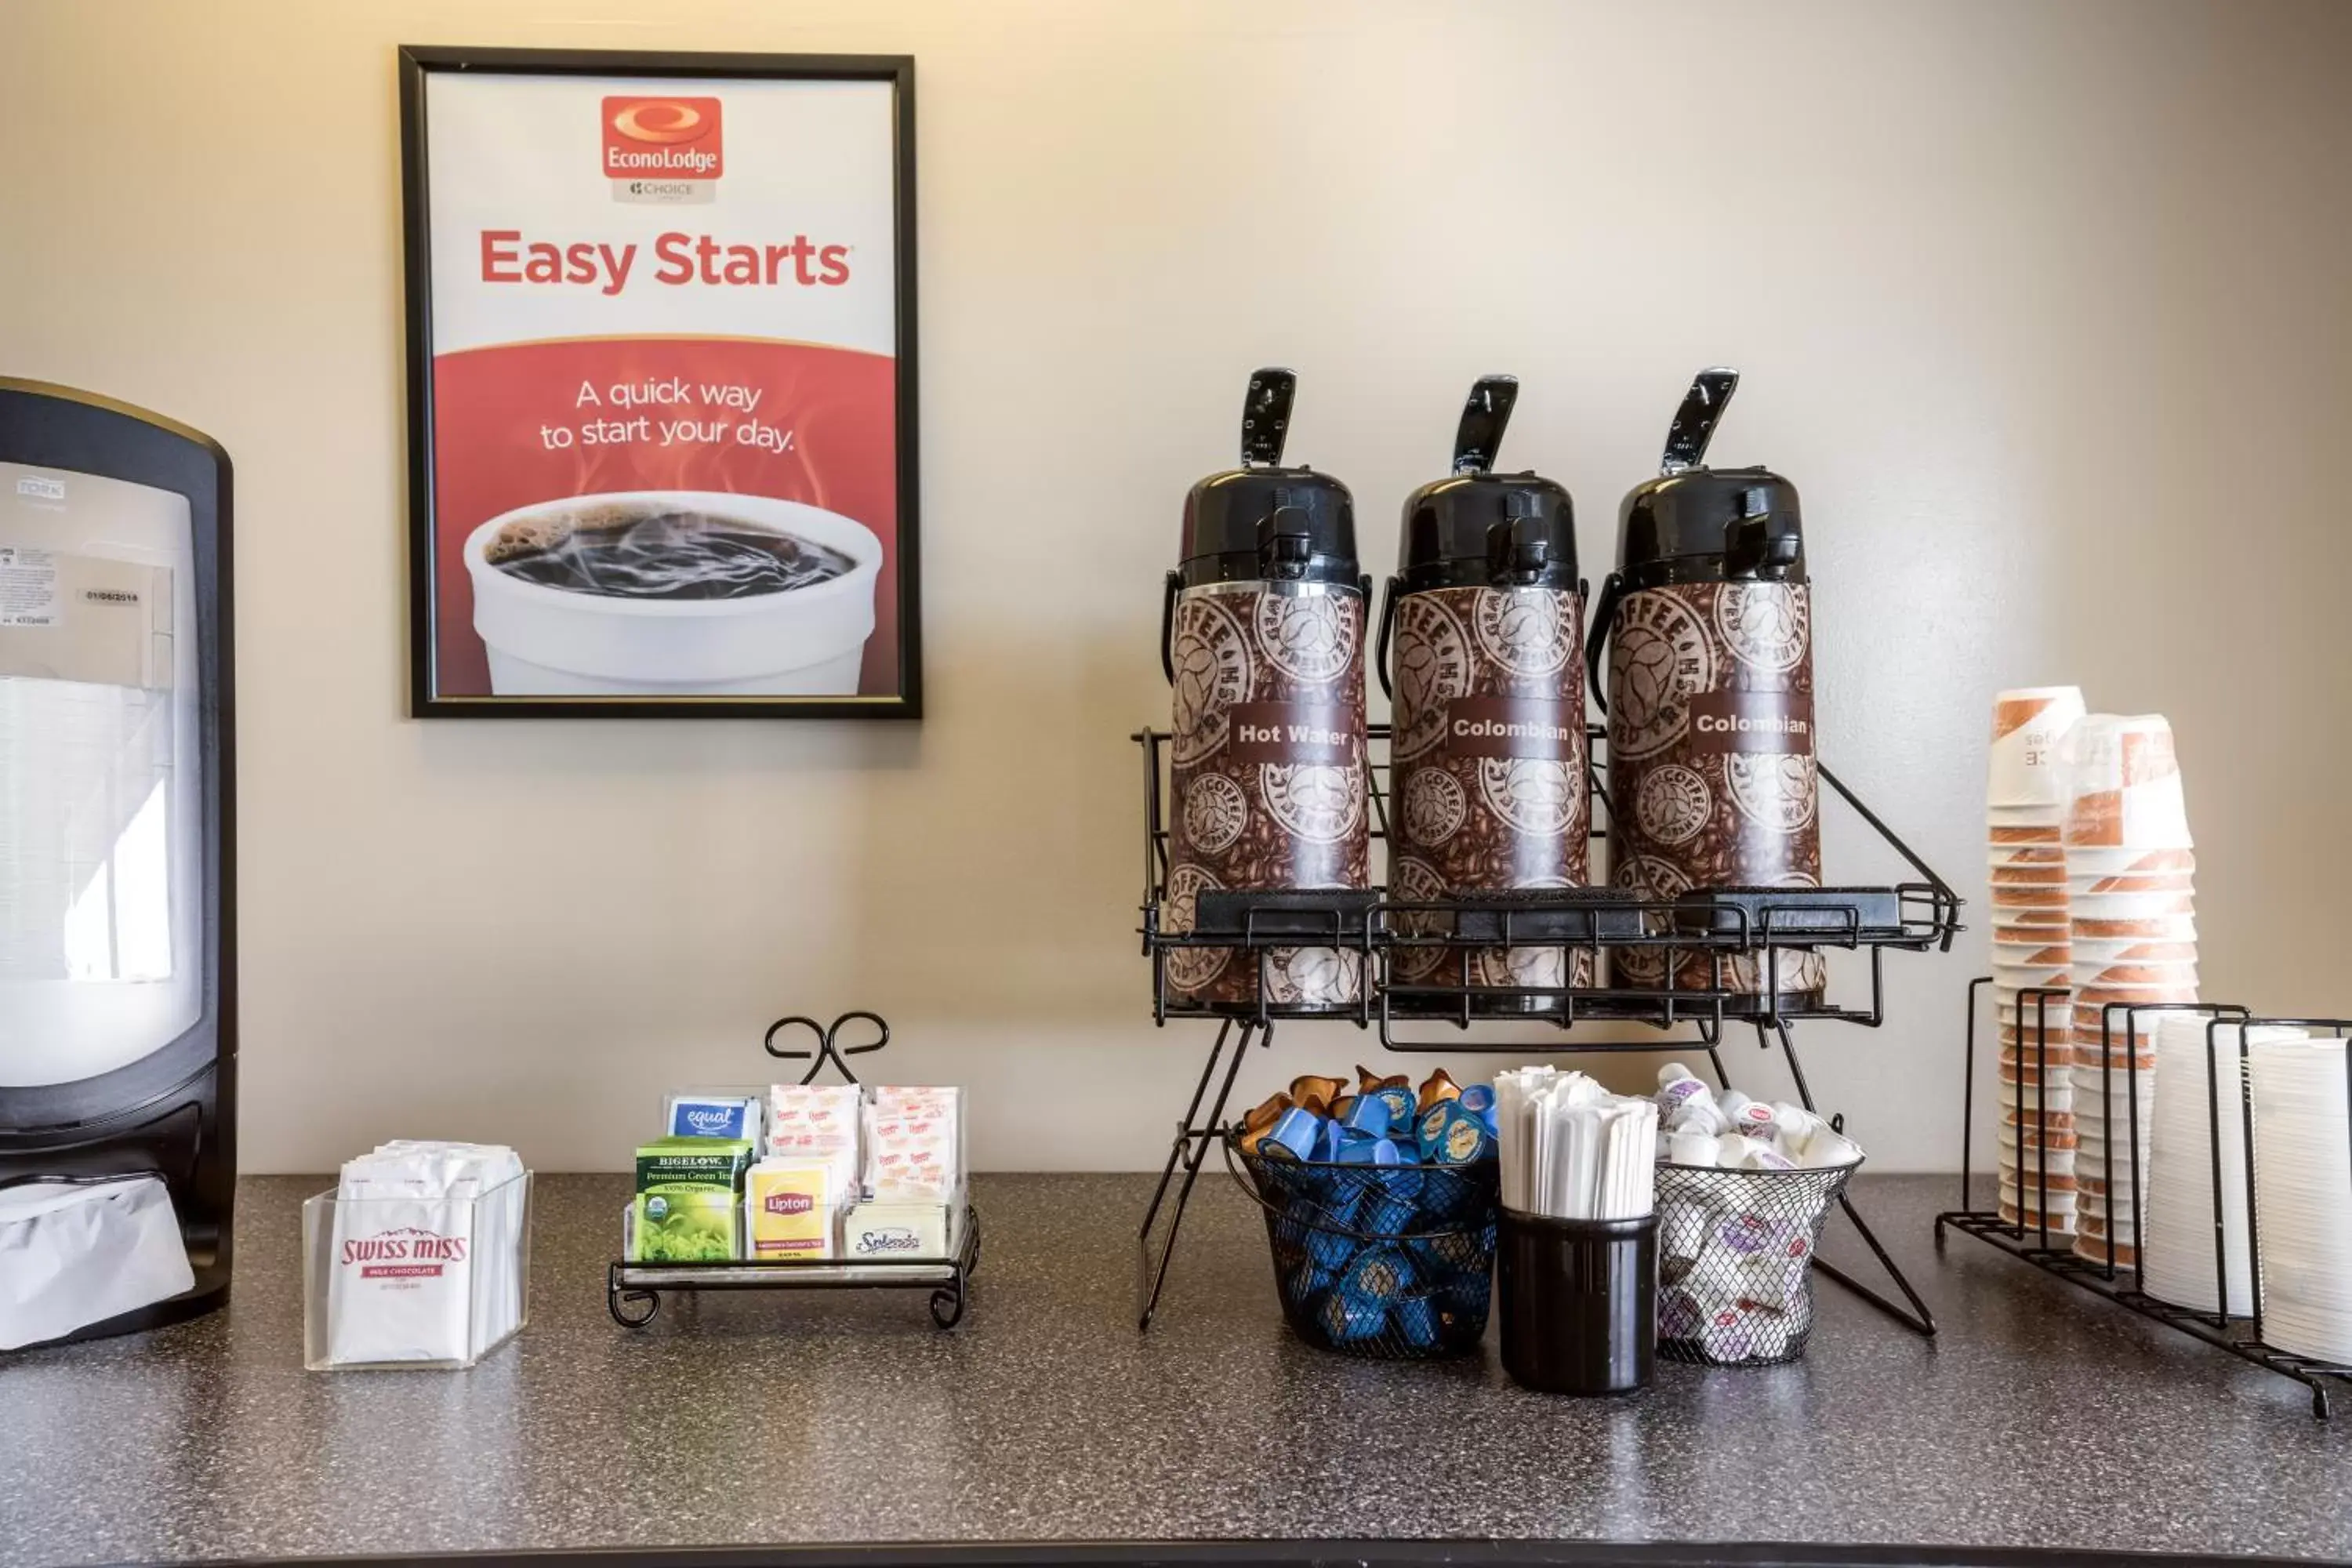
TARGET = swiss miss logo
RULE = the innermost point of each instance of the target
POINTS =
(665, 138)
(790, 1203)
(405, 1253)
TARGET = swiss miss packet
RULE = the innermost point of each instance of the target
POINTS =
(427, 1263)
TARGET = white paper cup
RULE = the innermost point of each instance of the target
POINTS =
(2028, 724)
(2141, 928)
(2096, 907)
(807, 641)
(2124, 784)
(2083, 860)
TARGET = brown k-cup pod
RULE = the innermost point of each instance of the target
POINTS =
(1266, 1112)
(1435, 1089)
(1304, 1089)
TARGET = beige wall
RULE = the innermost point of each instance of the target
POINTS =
(2043, 304)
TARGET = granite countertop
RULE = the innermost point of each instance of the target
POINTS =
(2040, 1417)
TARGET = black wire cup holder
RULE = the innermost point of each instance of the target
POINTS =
(1386, 1262)
(2043, 1024)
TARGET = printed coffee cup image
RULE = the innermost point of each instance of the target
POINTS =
(673, 592)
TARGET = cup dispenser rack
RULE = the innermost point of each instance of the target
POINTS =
(2240, 1334)
(1712, 928)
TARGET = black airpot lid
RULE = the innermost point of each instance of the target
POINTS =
(1693, 523)
(1261, 520)
(1477, 528)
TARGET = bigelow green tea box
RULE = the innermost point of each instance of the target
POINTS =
(689, 1198)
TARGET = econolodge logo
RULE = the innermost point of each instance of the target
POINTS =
(665, 138)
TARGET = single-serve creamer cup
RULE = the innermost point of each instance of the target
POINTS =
(2126, 784)
(804, 641)
(2027, 726)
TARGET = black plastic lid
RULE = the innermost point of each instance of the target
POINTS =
(1477, 528)
(1698, 524)
(1261, 520)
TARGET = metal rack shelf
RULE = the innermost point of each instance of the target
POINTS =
(2240, 1335)
(633, 1291)
(1921, 916)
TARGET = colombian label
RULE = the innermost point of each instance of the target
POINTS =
(1728, 722)
(1512, 727)
(1292, 734)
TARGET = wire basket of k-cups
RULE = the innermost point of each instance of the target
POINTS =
(1744, 1189)
(1380, 1211)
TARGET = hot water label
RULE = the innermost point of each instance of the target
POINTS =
(1291, 734)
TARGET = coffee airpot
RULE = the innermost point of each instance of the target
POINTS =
(1480, 638)
(1262, 639)
(1708, 630)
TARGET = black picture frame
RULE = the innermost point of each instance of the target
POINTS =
(416, 63)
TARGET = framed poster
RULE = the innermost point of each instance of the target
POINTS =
(661, 385)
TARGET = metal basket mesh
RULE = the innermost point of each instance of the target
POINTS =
(1390, 1262)
(1735, 1261)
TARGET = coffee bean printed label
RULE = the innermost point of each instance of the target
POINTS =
(1712, 782)
(1487, 776)
(1270, 782)
(1432, 651)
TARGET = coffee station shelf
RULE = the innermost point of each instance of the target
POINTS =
(1755, 926)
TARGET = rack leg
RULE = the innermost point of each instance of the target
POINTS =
(1192, 1146)
(1919, 1320)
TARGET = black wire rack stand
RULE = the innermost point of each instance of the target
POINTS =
(1708, 929)
(633, 1291)
(2240, 1334)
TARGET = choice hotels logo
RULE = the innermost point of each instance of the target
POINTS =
(662, 149)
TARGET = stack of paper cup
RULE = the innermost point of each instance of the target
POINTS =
(2130, 896)
(2202, 1114)
(2025, 816)
(2303, 1196)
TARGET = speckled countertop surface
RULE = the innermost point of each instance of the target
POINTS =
(2040, 1417)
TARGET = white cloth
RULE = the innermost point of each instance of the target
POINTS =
(73, 1253)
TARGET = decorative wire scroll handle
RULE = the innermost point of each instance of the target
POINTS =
(828, 1046)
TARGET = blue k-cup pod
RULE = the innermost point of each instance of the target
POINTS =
(1330, 1251)
(1451, 1135)
(1478, 1098)
(1398, 1099)
(1416, 1319)
(1346, 1319)
(1377, 1277)
(1293, 1136)
(1372, 1115)
(1389, 1214)
(1326, 1141)
(1361, 1149)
